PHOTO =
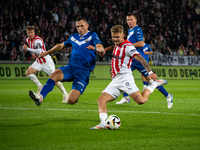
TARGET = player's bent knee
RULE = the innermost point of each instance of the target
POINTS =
(28, 72)
(140, 101)
(72, 101)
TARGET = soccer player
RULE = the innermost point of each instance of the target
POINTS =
(36, 45)
(145, 53)
(135, 35)
(82, 61)
(122, 79)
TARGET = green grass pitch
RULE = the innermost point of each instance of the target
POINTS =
(57, 126)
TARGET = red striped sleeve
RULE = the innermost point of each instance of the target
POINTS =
(117, 60)
(123, 55)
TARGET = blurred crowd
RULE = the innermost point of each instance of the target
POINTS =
(170, 27)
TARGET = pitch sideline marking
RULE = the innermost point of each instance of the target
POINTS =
(142, 112)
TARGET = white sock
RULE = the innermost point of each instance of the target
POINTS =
(152, 86)
(103, 117)
(61, 87)
(127, 97)
(168, 96)
(35, 80)
(151, 81)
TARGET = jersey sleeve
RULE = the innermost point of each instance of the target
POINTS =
(149, 48)
(131, 51)
(95, 39)
(38, 44)
(139, 34)
(68, 42)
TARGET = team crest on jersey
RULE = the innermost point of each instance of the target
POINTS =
(86, 40)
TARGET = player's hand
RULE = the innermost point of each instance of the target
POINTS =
(153, 76)
(25, 47)
(90, 47)
(145, 53)
(42, 54)
(101, 54)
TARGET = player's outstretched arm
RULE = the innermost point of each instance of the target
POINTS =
(37, 51)
(98, 48)
(56, 48)
(110, 48)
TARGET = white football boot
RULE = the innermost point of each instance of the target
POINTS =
(65, 98)
(123, 101)
(99, 126)
(169, 101)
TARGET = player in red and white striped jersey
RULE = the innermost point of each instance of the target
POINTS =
(36, 45)
(122, 79)
(122, 58)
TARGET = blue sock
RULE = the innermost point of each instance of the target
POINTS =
(146, 83)
(125, 94)
(48, 87)
(162, 90)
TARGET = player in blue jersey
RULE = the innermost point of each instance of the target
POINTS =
(82, 61)
(146, 51)
(135, 35)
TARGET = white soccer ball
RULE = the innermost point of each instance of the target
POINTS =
(113, 122)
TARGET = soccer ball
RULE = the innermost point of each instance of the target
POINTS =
(112, 122)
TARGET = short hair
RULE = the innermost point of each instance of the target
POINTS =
(132, 14)
(117, 29)
(28, 28)
(81, 18)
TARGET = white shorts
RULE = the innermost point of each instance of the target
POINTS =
(48, 67)
(121, 83)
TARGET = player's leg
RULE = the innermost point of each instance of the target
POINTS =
(126, 98)
(80, 81)
(48, 87)
(142, 98)
(64, 92)
(73, 96)
(49, 68)
(135, 65)
(149, 79)
(145, 82)
(168, 96)
(30, 73)
(102, 100)
(110, 93)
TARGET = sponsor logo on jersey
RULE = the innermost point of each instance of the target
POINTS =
(116, 57)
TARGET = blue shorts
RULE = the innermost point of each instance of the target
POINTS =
(79, 76)
(137, 65)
